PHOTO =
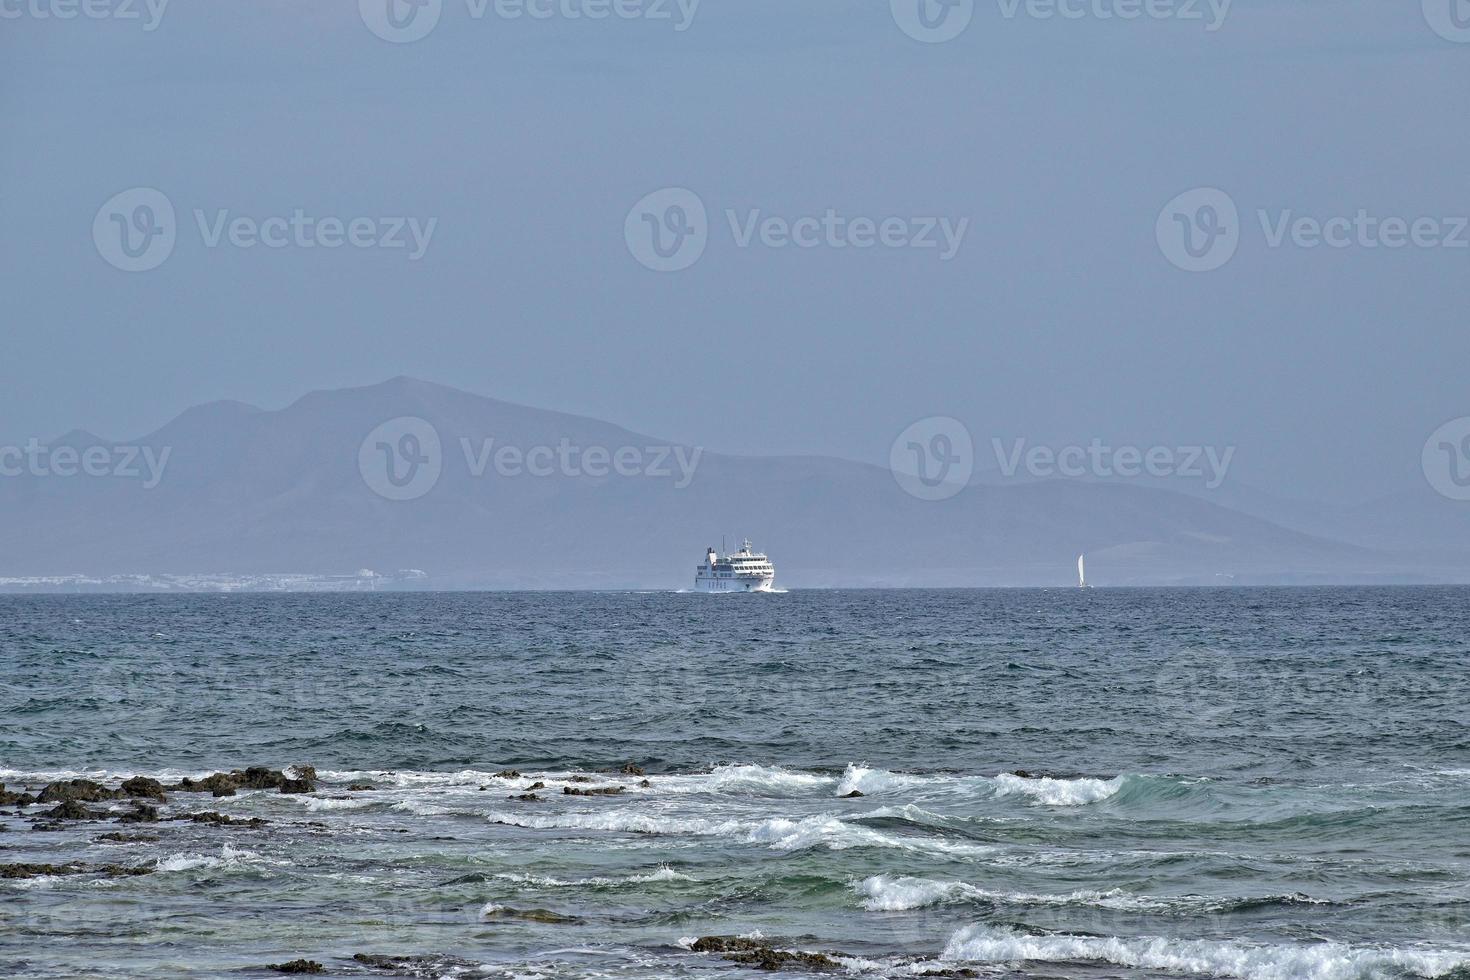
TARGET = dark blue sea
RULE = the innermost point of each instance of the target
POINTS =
(1252, 783)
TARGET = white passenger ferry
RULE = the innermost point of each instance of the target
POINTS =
(744, 571)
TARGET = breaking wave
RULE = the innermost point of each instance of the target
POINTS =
(1199, 957)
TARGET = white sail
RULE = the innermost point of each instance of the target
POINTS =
(1081, 573)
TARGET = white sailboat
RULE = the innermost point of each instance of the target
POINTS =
(1082, 573)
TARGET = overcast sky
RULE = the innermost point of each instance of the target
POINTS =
(1047, 146)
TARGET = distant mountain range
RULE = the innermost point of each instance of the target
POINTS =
(518, 497)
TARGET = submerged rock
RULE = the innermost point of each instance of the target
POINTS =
(491, 912)
(579, 779)
(527, 798)
(297, 966)
(508, 774)
(211, 816)
(596, 791)
(417, 966)
(360, 787)
(753, 952)
(852, 796)
(118, 838)
(633, 769)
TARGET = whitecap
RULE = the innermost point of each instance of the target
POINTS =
(1318, 961)
(1057, 792)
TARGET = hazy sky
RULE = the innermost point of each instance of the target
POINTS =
(1057, 140)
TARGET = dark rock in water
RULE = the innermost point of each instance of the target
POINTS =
(527, 798)
(633, 769)
(579, 779)
(1022, 773)
(216, 783)
(596, 791)
(508, 774)
(141, 813)
(15, 799)
(299, 771)
(37, 870)
(297, 786)
(78, 790)
(851, 796)
(210, 816)
(297, 966)
(644, 784)
(118, 838)
(359, 787)
(754, 953)
(142, 786)
(71, 810)
(538, 784)
(259, 777)
(528, 915)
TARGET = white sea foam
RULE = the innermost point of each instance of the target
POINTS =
(319, 803)
(747, 780)
(1317, 961)
(228, 856)
(663, 873)
(778, 833)
(870, 782)
(885, 893)
(1058, 792)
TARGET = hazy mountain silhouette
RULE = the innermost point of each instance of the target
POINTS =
(249, 491)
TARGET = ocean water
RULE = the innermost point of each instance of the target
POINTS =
(1249, 783)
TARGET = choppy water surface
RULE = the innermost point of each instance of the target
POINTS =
(1245, 783)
